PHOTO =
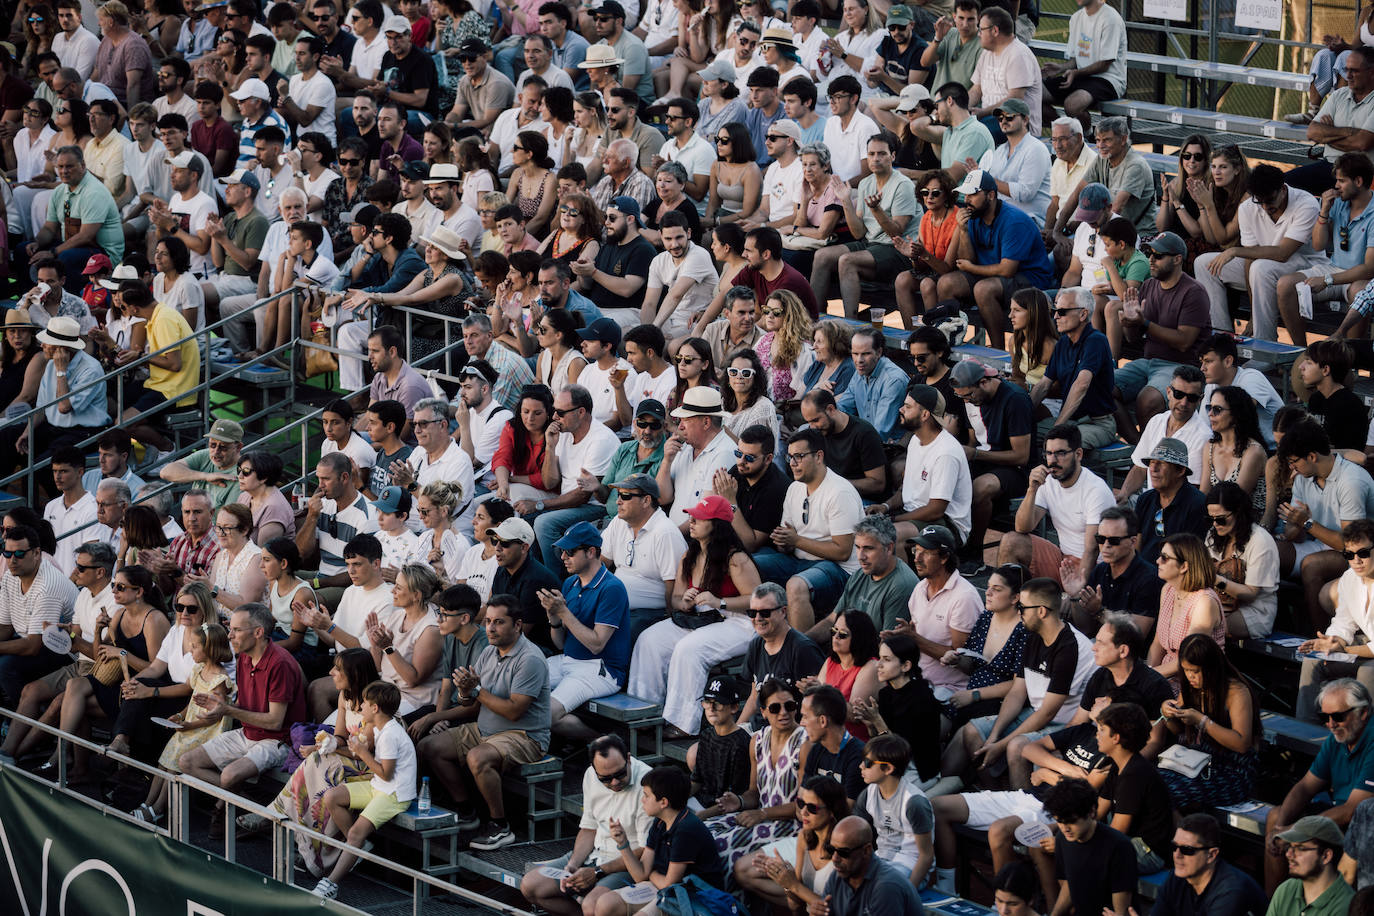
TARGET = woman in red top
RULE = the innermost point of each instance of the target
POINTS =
(927, 253)
(520, 454)
(852, 665)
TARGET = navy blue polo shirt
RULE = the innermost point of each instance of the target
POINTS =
(603, 600)
(1091, 352)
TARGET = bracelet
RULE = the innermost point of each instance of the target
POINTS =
(315, 582)
(623, 846)
(157, 693)
(294, 630)
(1202, 726)
(332, 628)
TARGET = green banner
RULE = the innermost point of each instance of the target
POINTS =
(63, 858)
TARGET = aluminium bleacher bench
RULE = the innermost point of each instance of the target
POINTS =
(541, 785)
(507, 866)
(634, 714)
(434, 832)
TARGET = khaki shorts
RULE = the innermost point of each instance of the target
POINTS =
(515, 747)
(377, 807)
(57, 681)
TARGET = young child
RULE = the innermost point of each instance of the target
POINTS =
(385, 749)
(400, 545)
(678, 844)
(719, 761)
(96, 294)
(211, 652)
(901, 815)
(464, 640)
(300, 265)
(510, 226)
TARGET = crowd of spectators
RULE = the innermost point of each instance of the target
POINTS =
(598, 427)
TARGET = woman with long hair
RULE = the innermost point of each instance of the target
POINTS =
(174, 285)
(708, 624)
(260, 474)
(22, 360)
(236, 572)
(1247, 562)
(1188, 602)
(998, 636)
(437, 143)
(280, 560)
(560, 352)
(852, 664)
(854, 44)
(442, 547)
(833, 368)
(518, 462)
(578, 233)
(768, 811)
(1219, 200)
(556, 111)
(784, 347)
(227, 60)
(736, 186)
(412, 630)
(1032, 336)
(928, 252)
(719, 103)
(1215, 713)
(40, 26)
(820, 806)
(477, 566)
(479, 177)
(744, 394)
(134, 636)
(1235, 452)
(515, 306)
(1178, 210)
(142, 531)
(589, 129)
(696, 368)
(904, 705)
(533, 187)
(325, 764)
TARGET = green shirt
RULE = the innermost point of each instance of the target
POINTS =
(625, 463)
(897, 198)
(954, 61)
(246, 233)
(91, 202)
(1289, 901)
(1136, 269)
(970, 140)
(884, 599)
(220, 493)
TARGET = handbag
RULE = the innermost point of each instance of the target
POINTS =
(1233, 568)
(803, 242)
(695, 620)
(1185, 761)
(107, 671)
(694, 897)
(317, 361)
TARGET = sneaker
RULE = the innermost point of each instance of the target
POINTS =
(326, 889)
(1301, 117)
(469, 821)
(973, 569)
(252, 823)
(495, 837)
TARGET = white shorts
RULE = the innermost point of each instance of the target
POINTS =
(575, 681)
(234, 745)
(986, 808)
(1304, 549)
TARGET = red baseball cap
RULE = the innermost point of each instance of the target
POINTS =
(97, 262)
(712, 506)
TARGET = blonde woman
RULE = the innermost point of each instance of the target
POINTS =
(411, 629)
(854, 46)
(440, 545)
(785, 347)
(1188, 604)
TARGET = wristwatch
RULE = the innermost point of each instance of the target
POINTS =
(599, 873)
(722, 605)
(1330, 281)
(538, 505)
(214, 591)
(389, 650)
(1307, 526)
(412, 486)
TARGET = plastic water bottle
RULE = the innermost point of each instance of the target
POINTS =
(422, 804)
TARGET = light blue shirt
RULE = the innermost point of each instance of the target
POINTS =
(197, 38)
(878, 397)
(1349, 240)
(813, 134)
(1026, 173)
(576, 302)
(88, 405)
(91, 479)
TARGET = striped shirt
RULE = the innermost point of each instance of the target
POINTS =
(336, 527)
(247, 130)
(51, 598)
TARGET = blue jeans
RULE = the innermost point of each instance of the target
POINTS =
(825, 578)
(510, 58)
(549, 527)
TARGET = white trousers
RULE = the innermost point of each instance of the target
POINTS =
(351, 337)
(670, 665)
(1262, 278)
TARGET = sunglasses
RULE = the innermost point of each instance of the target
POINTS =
(518, 148)
(1336, 717)
(931, 192)
(747, 459)
(1214, 409)
(809, 807)
(1184, 396)
(619, 775)
(836, 633)
(776, 137)
(765, 613)
(21, 554)
(841, 852)
(1184, 849)
(1226, 520)
(648, 424)
(1060, 313)
(1361, 554)
(786, 705)
(506, 545)
(187, 608)
(768, 311)
(745, 373)
(1113, 540)
(84, 568)
(685, 359)
(719, 140)
(1192, 157)
(120, 586)
(467, 58)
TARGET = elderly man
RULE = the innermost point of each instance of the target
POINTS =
(863, 884)
(1125, 173)
(438, 459)
(874, 393)
(643, 548)
(513, 373)
(777, 651)
(82, 219)
(610, 792)
(33, 595)
(1345, 123)
(692, 456)
(213, 468)
(112, 501)
(1072, 158)
(1081, 372)
(620, 177)
(1184, 421)
(270, 697)
(71, 393)
(195, 548)
(254, 101)
(1342, 770)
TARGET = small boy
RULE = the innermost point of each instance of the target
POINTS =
(901, 814)
(385, 749)
(464, 640)
(510, 226)
(719, 760)
(400, 545)
(678, 844)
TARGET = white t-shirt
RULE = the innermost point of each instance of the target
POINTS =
(367, 58)
(485, 427)
(1014, 67)
(1296, 222)
(601, 805)
(184, 106)
(453, 466)
(179, 663)
(356, 604)
(834, 507)
(399, 549)
(696, 157)
(357, 448)
(477, 571)
(643, 385)
(1095, 37)
(848, 145)
(78, 51)
(505, 129)
(1037, 684)
(598, 381)
(1073, 509)
(664, 272)
(452, 546)
(193, 213)
(553, 76)
(466, 222)
(594, 453)
(694, 473)
(316, 187)
(1195, 434)
(644, 561)
(392, 743)
(782, 188)
(939, 471)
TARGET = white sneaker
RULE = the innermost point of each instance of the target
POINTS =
(326, 889)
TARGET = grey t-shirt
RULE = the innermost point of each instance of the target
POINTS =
(897, 821)
(884, 599)
(523, 671)
(462, 655)
(1134, 177)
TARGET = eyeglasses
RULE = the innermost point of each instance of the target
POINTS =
(1336, 717)
(685, 359)
(1060, 313)
(418, 423)
(1190, 397)
(744, 373)
(619, 775)
(796, 457)
(1184, 849)
(1005, 118)
(809, 807)
(1214, 409)
(1167, 557)
(506, 545)
(764, 612)
(20, 554)
(787, 705)
(1109, 539)
(1192, 157)
(1361, 554)
(1022, 608)
(1293, 850)
(225, 529)
(747, 459)
(1059, 453)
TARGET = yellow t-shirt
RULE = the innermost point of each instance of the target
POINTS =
(166, 327)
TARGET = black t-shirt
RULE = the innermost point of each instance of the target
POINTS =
(1136, 591)
(628, 260)
(373, 140)
(688, 840)
(412, 73)
(1096, 869)
(856, 449)
(525, 586)
(1139, 791)
(1054, 664)
(1144, 686)
(761, 503)
(723, 764)
(686, 207)
(900, 63)
(1344, 416)
(1007, 414)
(1186, 514)
(843, 767)
(799, 657)
(914, 714)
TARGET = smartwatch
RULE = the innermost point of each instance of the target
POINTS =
(389, 650)
(214, 592)
(722, 605)
(599, 873)
(412, 486)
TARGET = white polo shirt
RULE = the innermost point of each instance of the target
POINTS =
(644, 561)
(693, 474)
(64, 520)
(848, 145)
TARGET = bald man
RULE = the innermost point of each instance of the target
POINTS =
(863, 883)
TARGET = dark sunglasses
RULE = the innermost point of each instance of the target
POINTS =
(788, 705)
(622, 773)
(747, 459)
(762, 612)
(722, 140)
(809, 807)
(841, 852)
(1214, 409)
(25, 551)
(467, 58)
(187, 608)
(1336, 717)
(932, 192)
(343, 161)
(1184, 849)
(1113, 540)
(648, 424)
(1226, 519)
(1192, 157)
(506, 545)
(1361, 554)
(1184, 396)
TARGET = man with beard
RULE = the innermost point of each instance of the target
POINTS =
(852, 446)
(640, 455)
(996, 251)
(1074, 500)
(755, 487)
(955, 130)
(271, 169)
(615, 282)
(480, 418)
(998, 471)
(936, 489)
(1182, 421)
(600, 341)
(635, 75)
(1314, 886)
(398, 147)
(483, 92)
(187, 215)
(687, 274)
(254, 101)
(524, 115)
(765, 274)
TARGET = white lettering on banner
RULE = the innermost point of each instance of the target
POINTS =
(78, 871)
(1176, 10)
(1259, 14)
(199, 909)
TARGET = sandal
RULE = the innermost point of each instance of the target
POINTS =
(145, 813)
